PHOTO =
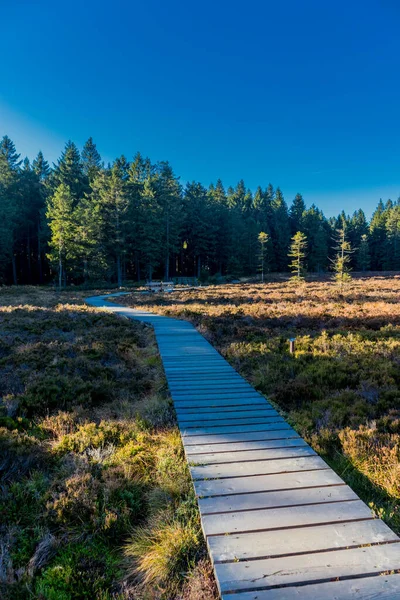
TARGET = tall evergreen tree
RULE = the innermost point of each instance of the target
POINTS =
(263, 241)
(363, 255)
(63, 225)
(378, 237)
(69, 171)
(169, 193)
(341, 262)
(281, 231)
(91, 160)
(297, 254)
(297, 209)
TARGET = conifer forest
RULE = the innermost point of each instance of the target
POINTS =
(80, 221)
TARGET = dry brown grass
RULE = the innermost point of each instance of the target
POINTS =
(341, 389)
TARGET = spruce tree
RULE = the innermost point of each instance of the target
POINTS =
(69, 171)
(7, 149)
(341, 262)
(281, 231)
(297, 254)
(91, 160)
(169, 195)
(64, 230)
(363, 255)
(263, 239)
(296, 213)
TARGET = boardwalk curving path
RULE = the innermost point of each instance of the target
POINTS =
(279, 523)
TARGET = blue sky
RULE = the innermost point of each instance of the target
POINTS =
(304, 94)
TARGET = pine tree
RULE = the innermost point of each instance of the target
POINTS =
(149, 229)
(297, 209)
(281, 231)
(263, 239)
(111, 191)
(391, 259)
(7, 149)
(169, 195)
(91, 160)
(377, 238)
(341, 262)
(297, 254)
(69, 171)
(199, 229)
(221, 221)
(8, 218)
(63, 226)
(363, 255)
(41, 168)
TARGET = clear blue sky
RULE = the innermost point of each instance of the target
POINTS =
(301, 93)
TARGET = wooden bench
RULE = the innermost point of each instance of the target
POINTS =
(160, 286)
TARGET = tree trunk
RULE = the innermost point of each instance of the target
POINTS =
(60, 273)
(28, 252)
(167, 249)
(14, 269)
(39, 255)
(119, 271)
(198, 267)
(137, 265)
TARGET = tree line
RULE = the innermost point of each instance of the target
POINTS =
(81, 220)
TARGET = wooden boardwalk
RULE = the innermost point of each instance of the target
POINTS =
(279, 523)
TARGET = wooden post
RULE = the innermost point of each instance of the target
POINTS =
(292, 345)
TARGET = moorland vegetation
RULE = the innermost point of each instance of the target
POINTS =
(341, 387)
(96, 500)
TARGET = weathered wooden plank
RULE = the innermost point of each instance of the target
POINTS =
(214, 416)
(237, 421)
(247, 446)
(215, 403)
(260, 574)
(222, 410)
(279, 424)
(263, 483)
(205, 393)
(274, 543)
(259, 467)
(382, 587)
(207, 387)
(241, 436)
(272, 499)
(281, 518)
(215, 458)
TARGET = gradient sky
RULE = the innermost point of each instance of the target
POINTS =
(304, 94)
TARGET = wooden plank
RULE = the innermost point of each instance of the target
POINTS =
(215, 403)
(281, 518)
(263, 483)
(214, 458)
(207, 387)
(214, 416)
(382, 587)
(247, 446)
(272, 499)
(251, 436)
(260, 574)
(274, 543)
(201, 431)
(237, 421)
(197, 393)
(259, 467)
(220, 411)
